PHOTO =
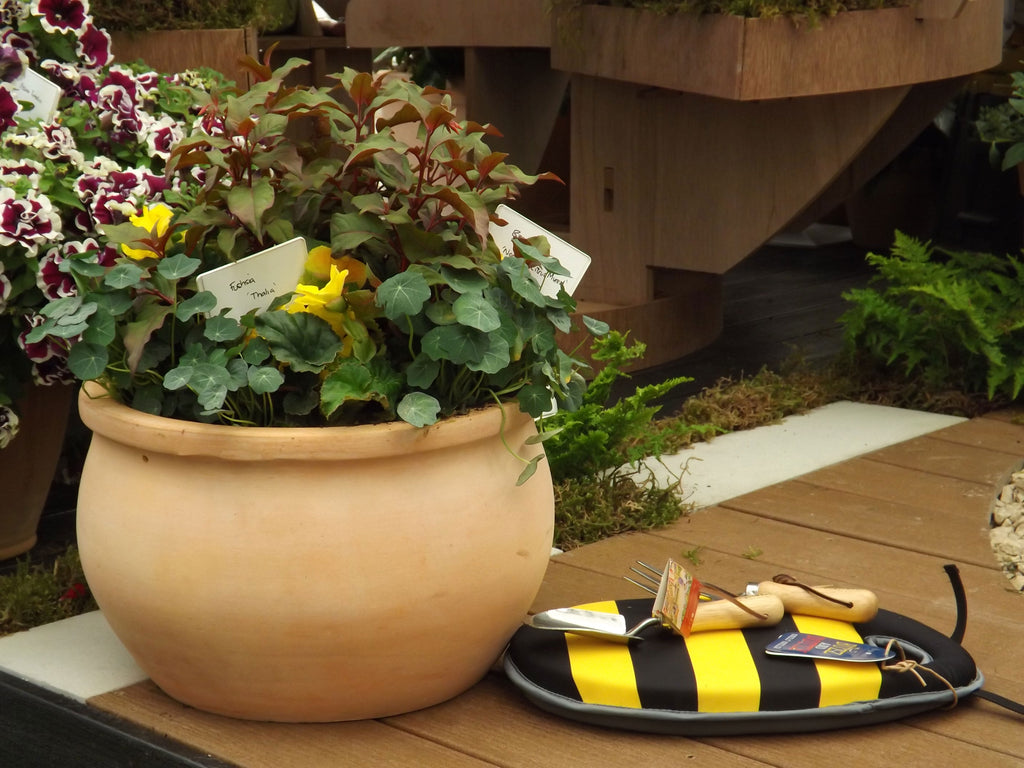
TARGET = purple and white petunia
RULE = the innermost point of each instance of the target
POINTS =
(60, 16)
(9, 107)
(8, 426)
(28, 221)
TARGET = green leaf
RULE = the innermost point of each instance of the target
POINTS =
(422, 372)
(475, 311)
(303, 341)
(419, 409)
(522, 283)
(138, 333)
(204, 301)
(596, 327)
(178, 266)
(178, 377)
(264, 379)
(251, 203)
(495, 359)
(101, 330)
(87, 361)
(349, 381)
(456, 343)
(350, 230)
(530, 469)
(124, 275)
(220, 328)
(403, 294)
(535, 399)
(255, 351)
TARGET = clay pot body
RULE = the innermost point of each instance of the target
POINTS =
(28, 464)
(311, 575)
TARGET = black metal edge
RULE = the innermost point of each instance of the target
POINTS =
(41, 729)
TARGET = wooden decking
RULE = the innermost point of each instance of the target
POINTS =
(887, 521)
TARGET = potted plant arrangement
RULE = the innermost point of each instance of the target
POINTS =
(98, 150)
(306, 508)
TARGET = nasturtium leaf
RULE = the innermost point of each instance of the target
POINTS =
(178, 377)
(204, 301)
(596, 327)
(255, 351)
(529, 470)
(303, 341)
(522, 282)
(422, 372)
(475, 311)
(456, 343)
(221, 328)
(177, 266)
(560, 319)
(495, 359)
(419, 409)
(464, 280)
(533, 254)
(239, 372)
(403, 294)
(535, 399)
(87, 361)
(265, 379)
(124, 276)
(101, 329)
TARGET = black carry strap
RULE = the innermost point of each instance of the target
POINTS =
(958, 636)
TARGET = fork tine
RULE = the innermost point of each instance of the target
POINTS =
(645, 576)
(642, 586)
(656, 571)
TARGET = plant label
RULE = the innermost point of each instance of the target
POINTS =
(570, 257)
(255, 281)
(42, 94)
(806, 646)
(678, 594)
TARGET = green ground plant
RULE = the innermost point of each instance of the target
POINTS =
(38, 593)
(949, 320)
(597, 493)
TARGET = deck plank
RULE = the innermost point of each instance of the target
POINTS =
(275, 745)
(513, 732)
(851, 514)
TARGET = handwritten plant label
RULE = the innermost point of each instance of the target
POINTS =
(803, 645)
(41, 93)
(572, 258)
(678, 594)
(255, 281)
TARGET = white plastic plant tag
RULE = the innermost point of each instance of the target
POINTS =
(575, 261)
(803, 645)
(42, 94)
(255, 281)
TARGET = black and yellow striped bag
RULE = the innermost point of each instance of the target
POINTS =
(723, 681)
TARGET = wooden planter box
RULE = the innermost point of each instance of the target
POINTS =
(747, 59)
(177, 50)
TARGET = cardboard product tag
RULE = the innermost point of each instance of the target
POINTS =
(807, 646)
(569, 256)
(678, 595)
(255, 281)
(38, 91)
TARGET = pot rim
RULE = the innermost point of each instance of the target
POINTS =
(105, 416)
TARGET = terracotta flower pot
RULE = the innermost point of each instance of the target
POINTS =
(28, 464)
(311, 574)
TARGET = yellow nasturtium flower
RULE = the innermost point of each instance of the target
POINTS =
(322, 302)
(320, 260)
(155, 219)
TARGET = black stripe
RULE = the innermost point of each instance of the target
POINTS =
(542, 657)
(661, 664)
(786, 683)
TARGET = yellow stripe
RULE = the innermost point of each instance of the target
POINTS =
(602, 671)
(842, 682)
(727, 679)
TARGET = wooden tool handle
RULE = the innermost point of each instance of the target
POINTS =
(798, 600)
(722, 614)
